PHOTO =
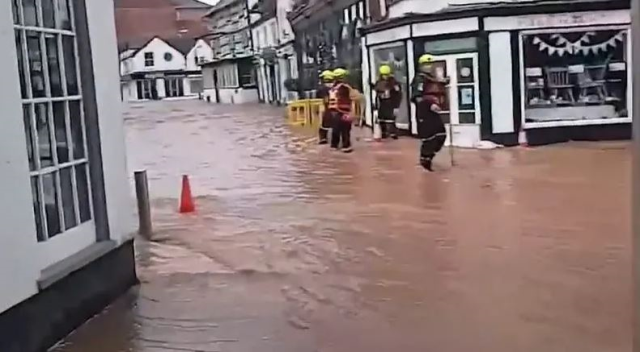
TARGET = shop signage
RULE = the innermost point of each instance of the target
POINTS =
(552, 20)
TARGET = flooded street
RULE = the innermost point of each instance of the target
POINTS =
(297, 248)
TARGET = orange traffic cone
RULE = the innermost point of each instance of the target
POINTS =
(186, 199)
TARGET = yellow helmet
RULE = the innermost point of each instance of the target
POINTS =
(385, 70)
(425, 59)
(340, 73)
(327, 75)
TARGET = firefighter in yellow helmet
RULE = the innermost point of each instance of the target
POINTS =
(429, 93)
(388, 100)
(326, 83)
(340, 111)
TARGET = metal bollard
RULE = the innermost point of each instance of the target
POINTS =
(144, 207)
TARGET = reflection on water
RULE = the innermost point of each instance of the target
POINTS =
(297, 248)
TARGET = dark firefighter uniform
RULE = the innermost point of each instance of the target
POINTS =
(323, 93)
(429, 95)
(340, 112)
(388, 100)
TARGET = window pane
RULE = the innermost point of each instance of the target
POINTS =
(37, 210)
(21, 70)
(70, 69)
(30, 13)
(467, 117)
(55, 79)
(35, 64)
(26, 113)
(83, 193)
(77, 137)
(60, 130)
(44, 138)
(48, 14)
(68, 201)
(15, 9)
(465, 70)
(63, 13)
(51, 204)
(466, 98)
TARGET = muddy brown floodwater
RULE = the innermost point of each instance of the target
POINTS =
(295, 248)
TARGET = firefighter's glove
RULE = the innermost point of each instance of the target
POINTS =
(396, 112)
(435, 108)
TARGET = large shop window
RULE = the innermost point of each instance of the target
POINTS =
(575, 76)
(53, 115)
(394, 55)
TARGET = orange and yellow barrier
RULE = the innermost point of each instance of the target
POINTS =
(308, 112)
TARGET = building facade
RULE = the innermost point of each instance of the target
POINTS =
(163, 69)
(230, 77)
(327, 36)
(66, 240)
(275, 54)
(547, 71)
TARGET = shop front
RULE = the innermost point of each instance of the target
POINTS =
(516, 70)
(454, 46)
(572, 74)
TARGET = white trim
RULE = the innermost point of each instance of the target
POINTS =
(500, 66)
(566, 123)
(389, 35)
(411, 66)
(460, 25)
(558, 20)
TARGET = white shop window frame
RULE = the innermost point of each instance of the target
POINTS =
(567, 123)
(87, 233)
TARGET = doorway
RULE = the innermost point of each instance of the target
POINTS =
(463, 111)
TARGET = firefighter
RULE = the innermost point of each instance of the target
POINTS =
(323, 93)
(428, 92)
(340, 111)
(388, 100)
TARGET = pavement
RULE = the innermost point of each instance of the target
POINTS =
(296, 248)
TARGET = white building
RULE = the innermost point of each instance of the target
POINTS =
(163, 68)
(65, 244)
(550, 71)
(229, 76)
(275, 55)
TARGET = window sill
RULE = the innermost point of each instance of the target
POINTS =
(65, 267)
(532, 125)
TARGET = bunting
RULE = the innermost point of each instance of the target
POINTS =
(583, 45)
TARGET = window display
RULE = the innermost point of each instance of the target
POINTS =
(577, 75)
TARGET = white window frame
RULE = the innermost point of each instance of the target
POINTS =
(149, 62)
(629, 93)
(81, 227)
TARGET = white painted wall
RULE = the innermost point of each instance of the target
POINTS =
(285, 31)
(21, 257)
(202, 50)
(232, 96)
(501, 82)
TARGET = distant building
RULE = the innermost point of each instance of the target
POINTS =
(327, 36)
(548, 71)
(275, 55)
(163, 68)
(66, 244)
(229, 76)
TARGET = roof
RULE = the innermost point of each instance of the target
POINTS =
(183, 45)
(139, 20)
(499, 8)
